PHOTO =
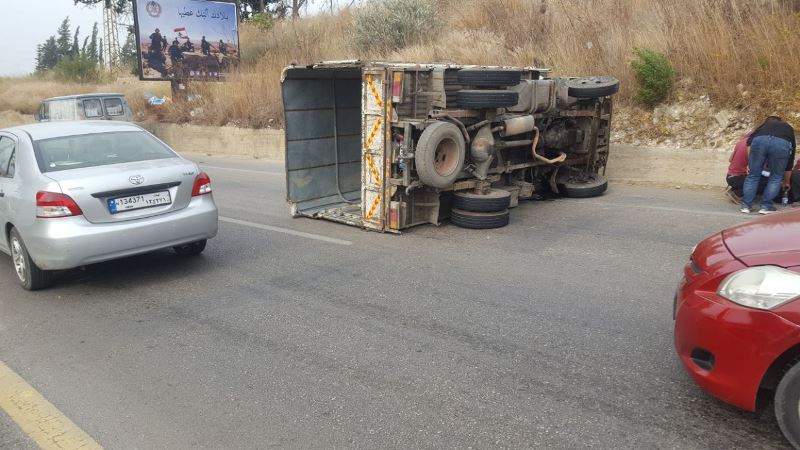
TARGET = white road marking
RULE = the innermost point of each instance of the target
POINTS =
(261, 226)
(666, 208)
(241, 170)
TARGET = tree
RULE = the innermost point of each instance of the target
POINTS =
(296, 5)
(64, 39)
(119, 5)
(75, 50)
(47, 55)
(91, 50)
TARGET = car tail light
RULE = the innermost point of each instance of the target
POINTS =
(54, 204)
(202, 185)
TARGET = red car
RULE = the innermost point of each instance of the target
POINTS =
(737, 317)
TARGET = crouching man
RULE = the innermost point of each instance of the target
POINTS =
(738, 170)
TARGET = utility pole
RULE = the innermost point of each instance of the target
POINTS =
(110, 35)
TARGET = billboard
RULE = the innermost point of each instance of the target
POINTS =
(186, 39)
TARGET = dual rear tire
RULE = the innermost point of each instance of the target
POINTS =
(481, 211)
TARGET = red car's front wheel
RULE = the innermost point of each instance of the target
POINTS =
(787, 405)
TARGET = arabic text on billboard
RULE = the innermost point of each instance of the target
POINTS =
(187, 39)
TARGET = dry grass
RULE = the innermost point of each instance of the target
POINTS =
(743, 53)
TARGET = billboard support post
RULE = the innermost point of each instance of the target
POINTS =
(178, 90)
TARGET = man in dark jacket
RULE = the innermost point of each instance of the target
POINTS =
(772, 143)
(205, 47)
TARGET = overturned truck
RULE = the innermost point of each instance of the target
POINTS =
(386, 146)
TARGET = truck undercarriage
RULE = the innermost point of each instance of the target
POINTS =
(387, 146)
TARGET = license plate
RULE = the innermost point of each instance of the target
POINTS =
(122, 204)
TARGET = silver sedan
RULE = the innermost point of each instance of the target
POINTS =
(77, 193)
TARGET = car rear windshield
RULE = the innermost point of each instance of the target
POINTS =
(100, 149)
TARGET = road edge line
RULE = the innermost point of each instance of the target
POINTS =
(37, 417)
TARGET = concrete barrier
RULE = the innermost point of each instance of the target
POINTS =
(257, 143)
(654, 166)
(668, 166)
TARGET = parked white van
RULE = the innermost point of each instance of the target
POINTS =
(85, 107)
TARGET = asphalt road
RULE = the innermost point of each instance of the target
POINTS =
(555, 331)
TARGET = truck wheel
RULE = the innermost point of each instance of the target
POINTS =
(787, 405)
(489, 99)
(440, 153)
(29, 275)
(581, 185)
(489, 77)
(592, 87)
(479, 220)
(493, 201)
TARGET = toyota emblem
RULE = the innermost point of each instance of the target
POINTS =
(136, 179)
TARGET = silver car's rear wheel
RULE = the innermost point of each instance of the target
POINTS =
(29, 275)
(19, 260)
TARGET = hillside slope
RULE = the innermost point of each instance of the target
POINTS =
(740, 55)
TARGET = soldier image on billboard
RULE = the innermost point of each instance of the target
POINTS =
(155, 54)
(205, 46)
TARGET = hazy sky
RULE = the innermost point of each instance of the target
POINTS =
(27, 23)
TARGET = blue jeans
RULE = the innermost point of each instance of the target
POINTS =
(770, 152)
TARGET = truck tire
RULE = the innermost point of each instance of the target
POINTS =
(440, 153)
(493, 201)
(592, 87)
(787, 398)
(576, 185)
(489, 77)
(479, 220)
(29, 275)
(489, 99)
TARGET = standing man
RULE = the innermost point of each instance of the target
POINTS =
(773, 144)
(223, 48)
(205, 47)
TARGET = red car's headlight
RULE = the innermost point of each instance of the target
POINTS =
(761, 287)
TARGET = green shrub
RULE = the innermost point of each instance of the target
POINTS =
(382, 26)
(654, 76)
(262, 20)
(80, 69)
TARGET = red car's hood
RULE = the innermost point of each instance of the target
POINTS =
(772, 239)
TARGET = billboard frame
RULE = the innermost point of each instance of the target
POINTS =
(140, 62)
